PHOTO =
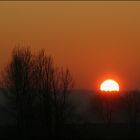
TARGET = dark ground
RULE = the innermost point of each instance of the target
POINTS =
(82, 132)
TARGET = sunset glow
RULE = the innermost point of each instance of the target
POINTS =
(95, 40)
(109, 85)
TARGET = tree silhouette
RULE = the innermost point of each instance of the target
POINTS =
(104, 105)
(16, 79)
(62, 85)
(52, 87)
(42, 72)
(38, 92)
(132, 104)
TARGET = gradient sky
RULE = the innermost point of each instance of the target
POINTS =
(96, 40)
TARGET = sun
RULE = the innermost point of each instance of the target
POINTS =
(109, 85)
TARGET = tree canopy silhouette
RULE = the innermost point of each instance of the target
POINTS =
(37, 90)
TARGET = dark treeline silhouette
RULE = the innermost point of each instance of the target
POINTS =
(132, 105)
(105, 105)
(37, 91)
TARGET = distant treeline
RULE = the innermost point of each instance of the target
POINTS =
(125, 105)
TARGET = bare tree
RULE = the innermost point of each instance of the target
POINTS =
(62, 85)
(52, 86)
(36, 86)
(42, 76)
(16, 79)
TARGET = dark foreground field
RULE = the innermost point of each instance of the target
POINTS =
(82, 132)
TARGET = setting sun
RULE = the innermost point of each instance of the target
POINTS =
(109, 85)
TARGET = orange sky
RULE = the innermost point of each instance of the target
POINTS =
(96, 40)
